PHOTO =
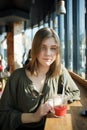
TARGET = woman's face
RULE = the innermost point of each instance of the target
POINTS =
(47, 53)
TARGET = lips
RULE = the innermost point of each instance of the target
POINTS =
(47, 59)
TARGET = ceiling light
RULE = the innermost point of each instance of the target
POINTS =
(61, 7)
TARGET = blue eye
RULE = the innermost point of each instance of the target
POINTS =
(53, 48)
(43, 48)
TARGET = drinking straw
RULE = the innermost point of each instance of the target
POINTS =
(63, 92)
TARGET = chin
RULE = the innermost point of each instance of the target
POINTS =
(47, 65)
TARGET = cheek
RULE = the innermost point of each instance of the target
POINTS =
(40, 54)
(54, 57)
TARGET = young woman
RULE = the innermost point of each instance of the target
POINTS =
(24, 104)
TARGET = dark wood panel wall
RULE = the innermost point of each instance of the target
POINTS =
(10, 47)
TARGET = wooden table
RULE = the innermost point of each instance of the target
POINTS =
(73, 119)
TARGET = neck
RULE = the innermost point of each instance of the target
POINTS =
(42, 70)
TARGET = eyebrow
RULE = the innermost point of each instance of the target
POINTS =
(50, 46)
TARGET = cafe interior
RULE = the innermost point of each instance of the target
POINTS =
(19, 21)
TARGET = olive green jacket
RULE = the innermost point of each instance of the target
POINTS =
(20, 96)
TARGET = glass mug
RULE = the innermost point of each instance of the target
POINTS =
(60, 105)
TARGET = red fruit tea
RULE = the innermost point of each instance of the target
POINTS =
(60, 110)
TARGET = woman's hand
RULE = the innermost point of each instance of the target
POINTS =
(43, 110)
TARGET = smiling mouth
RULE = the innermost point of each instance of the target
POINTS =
(47, 59)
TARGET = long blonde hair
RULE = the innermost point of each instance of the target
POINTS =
(41, 35)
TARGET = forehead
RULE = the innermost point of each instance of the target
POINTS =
(49, 42)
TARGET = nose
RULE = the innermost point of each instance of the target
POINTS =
(48, 51)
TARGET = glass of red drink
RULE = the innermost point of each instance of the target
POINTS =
(60, 105)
